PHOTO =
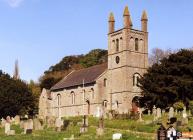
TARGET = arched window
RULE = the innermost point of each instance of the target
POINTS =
(73, 97)
(105, 82)
(117, 104)
(59, 99)
(136, 44)
(136, 78)
(105, 103)
(92, 93)
(117, 45)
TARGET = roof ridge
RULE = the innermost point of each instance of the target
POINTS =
(90, 67)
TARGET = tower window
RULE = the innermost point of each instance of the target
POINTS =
(117, 59)
(105, 103)
(136, 78)
(117, 45)
(105, 82)
(136, 44)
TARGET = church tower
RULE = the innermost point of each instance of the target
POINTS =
(127, 61)
(16, 71)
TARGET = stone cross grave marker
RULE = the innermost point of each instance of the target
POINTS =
(58, 124)
(7, 125)
(171, 112)
(17, 119)
(158, 113)
(154, 113)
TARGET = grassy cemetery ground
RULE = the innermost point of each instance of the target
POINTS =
(131, 130)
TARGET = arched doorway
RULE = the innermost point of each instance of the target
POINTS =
(88, 107)
(135, 104)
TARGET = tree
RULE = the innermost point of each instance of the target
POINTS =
(169, 81)
(69, 63)
(94, 57)
(36, 90)
(15, 97)
(158, 54)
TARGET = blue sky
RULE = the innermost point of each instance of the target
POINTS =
(39, 33)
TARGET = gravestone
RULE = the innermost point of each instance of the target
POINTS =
(163, 111)
(8, 130)
(51, 121)
(140, 114)
(158, 113)
(154, 113)
(184, 114)
(58, 124)
(29, 126)
(7, 125)
(184, 117)
(37, 124)
(149, 112)
(161, 133)
(25, 125)
(17, 119)
(176, 112)
(171, 112)
(3, 121)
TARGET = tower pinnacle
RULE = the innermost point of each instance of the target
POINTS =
(111, 23)
(126, 17)
(144, 20)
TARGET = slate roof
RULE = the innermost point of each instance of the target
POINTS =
(89, 75)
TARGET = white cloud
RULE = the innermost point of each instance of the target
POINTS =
(14, 3)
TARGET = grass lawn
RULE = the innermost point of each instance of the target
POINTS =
(131, 130)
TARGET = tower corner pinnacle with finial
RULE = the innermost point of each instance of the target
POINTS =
(126, 11)
(144, 16)
(111, 17)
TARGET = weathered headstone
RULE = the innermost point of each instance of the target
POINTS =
(29, 126)
(184, 114)
(176, 112)
(140, 110)
(37, 124)
(58, 124)
(25, 125)
(7, 127)
(8, 130)
(51, 121)
(158, 113)
(149, 112)
(154, 113)
(163, 111)
(171, 112)
(3, 121)
(17, 119)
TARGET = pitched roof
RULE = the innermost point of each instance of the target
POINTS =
(76, 78)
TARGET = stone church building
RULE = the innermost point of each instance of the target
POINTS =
(109, 86)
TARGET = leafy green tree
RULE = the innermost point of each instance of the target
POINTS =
(15, 97)
(94, 57)
(69, 63)
(169, 81)
(36, 90)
